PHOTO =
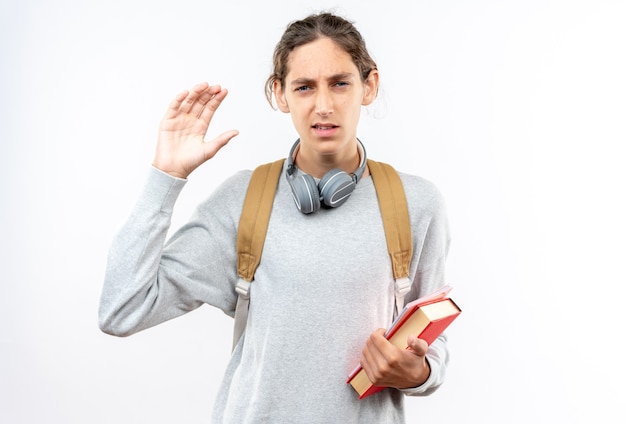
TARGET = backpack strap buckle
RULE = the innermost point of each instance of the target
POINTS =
(243, 288)
(403, 286)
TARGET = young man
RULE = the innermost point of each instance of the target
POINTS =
(324, 290)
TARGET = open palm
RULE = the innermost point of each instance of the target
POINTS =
(181, 147)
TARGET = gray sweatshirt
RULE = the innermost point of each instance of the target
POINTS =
(323, 286)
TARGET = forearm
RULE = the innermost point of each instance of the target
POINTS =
(130, 288)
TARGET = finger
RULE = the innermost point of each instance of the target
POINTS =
(203, 99)
(174, 106)
(190, 102)
(373, 356)
(212, 104)
(368, 364)
(207, 94)
(378, 343)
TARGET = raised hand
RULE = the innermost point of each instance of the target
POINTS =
(181, 147)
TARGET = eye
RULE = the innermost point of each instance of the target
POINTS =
(341, 83)
(303, 88)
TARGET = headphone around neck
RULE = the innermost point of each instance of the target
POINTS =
(333, 189)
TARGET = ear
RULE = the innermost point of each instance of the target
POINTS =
(371, 88)
(281, 101)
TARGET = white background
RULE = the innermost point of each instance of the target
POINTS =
(515, 109)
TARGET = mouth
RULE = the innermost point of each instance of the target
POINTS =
(324, 127)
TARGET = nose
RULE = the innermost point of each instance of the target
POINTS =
(324, 103)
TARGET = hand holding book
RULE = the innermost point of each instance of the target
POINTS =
(391, 358)
(389, 366)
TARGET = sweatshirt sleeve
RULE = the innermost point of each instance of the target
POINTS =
(148, 280)
(431, 241)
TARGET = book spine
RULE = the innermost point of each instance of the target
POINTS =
(435, 328)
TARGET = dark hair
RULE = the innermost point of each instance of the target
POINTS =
(310, 29)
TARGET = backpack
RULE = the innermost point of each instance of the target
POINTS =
(255, 217)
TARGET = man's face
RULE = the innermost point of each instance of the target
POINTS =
(324, 93)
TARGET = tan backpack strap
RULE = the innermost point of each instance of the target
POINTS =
(255, 217)
(395, 213)
(253, 223)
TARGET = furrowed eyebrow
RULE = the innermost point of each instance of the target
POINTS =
(342, 76)
(302, 81)
(310, 81)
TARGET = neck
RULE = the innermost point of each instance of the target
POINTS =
(316, 164)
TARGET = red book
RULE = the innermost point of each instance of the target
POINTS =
(426, 317)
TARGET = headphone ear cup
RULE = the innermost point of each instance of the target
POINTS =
(335, 187)
(305, 193)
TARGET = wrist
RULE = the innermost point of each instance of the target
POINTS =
(169, 171)
(173, 175)
(420, 376)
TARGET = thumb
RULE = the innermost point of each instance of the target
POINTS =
(212, 147)
(417, 345)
